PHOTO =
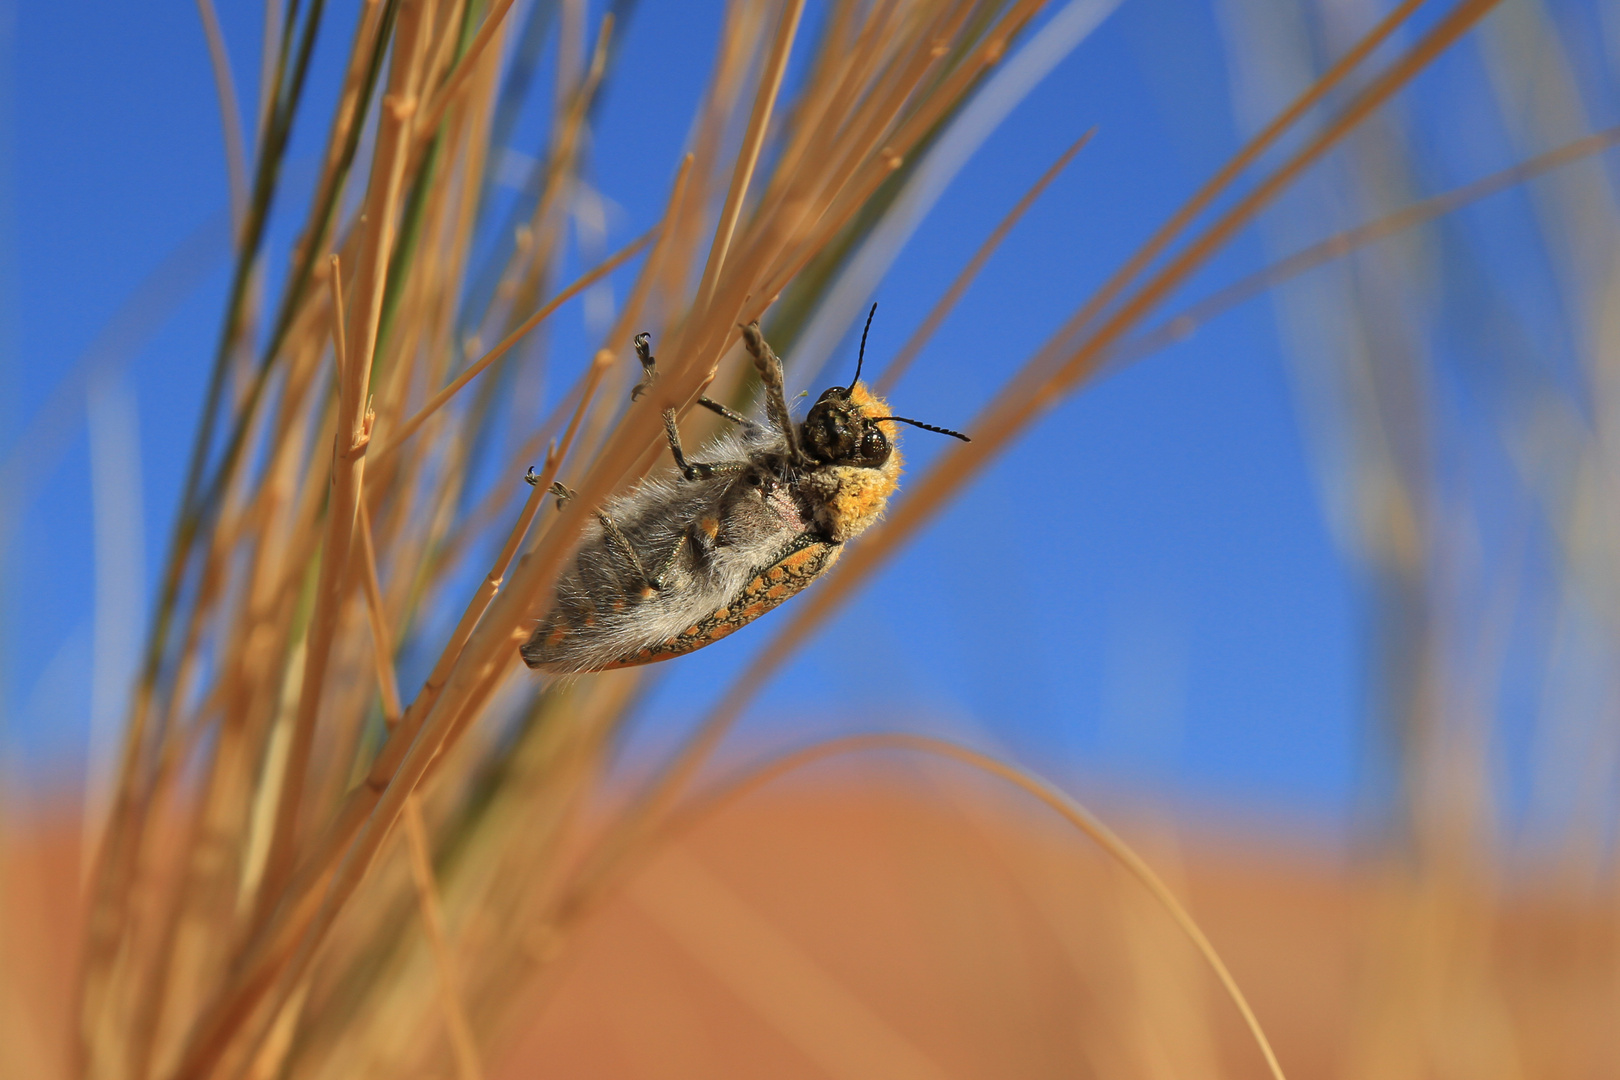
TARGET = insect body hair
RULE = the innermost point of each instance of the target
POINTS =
(602, 614)
(849, 499)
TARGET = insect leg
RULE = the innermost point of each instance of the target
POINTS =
(673, 434)
(734, 417)
(649, 367)
(694, 470)
(615, 535)
(770, 375)
(703, 536)
(649, 371)
(563, 493)
(660, 579)
(616, 539)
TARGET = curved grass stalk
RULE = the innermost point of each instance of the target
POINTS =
(707, 805)
(230, 115)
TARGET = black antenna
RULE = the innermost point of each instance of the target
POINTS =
(861, 359)
(925, 427)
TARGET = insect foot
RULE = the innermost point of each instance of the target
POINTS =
(766, 512)
(649, 370)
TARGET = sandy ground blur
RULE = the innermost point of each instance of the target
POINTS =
(918, 926)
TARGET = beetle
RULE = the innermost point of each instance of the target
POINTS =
(682, 561)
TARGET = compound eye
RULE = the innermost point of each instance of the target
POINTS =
(875, 445)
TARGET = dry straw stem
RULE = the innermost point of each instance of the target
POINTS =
(1183, 324)
(382, 641)
(354, 432)
(523, 280)
(1052, 373)
(230, 116)
(753, 142)
(416, 832)
(365, 54)
(820, 203)
(461, 1035)
(857, 181)
(628, 317)
(473, 370)
(465, 66)
(1055, 370)
(952, 296)
(117, 862)
(1224, 177)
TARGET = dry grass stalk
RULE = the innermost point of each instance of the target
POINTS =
(230, 113)
(908, 352)
(725, 794)
(399, 106)
(1184, 323)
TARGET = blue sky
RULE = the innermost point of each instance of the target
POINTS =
(1142, 592)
